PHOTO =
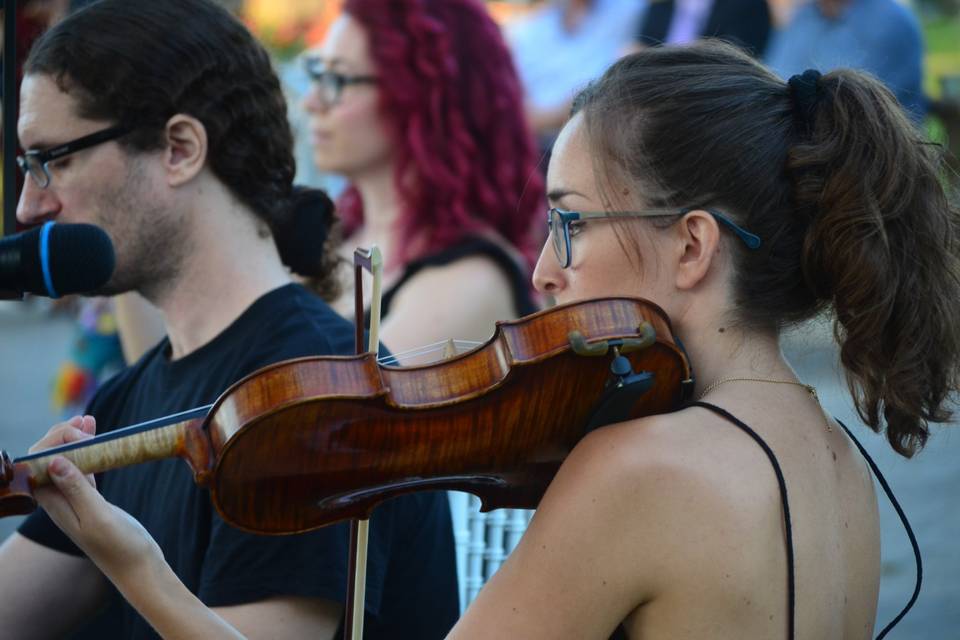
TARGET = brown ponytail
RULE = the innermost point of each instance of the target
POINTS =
(843, 191)
(883, 247)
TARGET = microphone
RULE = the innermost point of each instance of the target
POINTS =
(55, 260)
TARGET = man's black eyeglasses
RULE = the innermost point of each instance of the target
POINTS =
(559, 220)
(331, 83)
(34, 163)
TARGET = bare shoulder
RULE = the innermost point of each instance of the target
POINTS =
(621, 526)
(662, 479)
(665, 479)
(637, 451)
(471, 278)
(463, 299)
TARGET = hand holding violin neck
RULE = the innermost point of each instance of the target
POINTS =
(185, 439)
(96, 455)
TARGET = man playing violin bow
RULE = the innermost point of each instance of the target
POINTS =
(164, 124)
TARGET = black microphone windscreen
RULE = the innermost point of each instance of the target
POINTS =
(79, 259)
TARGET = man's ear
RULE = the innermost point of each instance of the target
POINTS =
(700, 242)
(186, 149)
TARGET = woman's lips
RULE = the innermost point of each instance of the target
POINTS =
(320, 137)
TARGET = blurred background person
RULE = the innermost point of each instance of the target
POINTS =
(417, 104)
(562, 45)
(882, 37)
(746, 23)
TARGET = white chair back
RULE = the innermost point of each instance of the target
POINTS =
(483, 541)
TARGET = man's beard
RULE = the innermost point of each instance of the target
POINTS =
(151, 242)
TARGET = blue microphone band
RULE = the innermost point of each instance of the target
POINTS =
(45, 258)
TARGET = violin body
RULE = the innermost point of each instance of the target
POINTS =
(326, 439)
(312, 441)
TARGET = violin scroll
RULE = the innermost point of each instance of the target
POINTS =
(16, 497)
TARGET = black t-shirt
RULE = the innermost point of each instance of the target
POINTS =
(411, 572)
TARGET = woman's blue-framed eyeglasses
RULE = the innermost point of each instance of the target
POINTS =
(558, 223)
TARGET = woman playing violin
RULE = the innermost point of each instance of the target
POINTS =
(741, 204)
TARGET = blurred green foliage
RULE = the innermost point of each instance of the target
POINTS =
(942, 36)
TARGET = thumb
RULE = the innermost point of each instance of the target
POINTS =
(71, 483)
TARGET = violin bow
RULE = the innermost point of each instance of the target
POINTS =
(371, 260)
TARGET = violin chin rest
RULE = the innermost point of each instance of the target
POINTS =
(620, 397)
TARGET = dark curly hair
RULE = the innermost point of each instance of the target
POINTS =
(847, 200)
(454, 107)
(139, 63)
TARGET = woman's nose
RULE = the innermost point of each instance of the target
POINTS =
(313, 101)
(548, 276)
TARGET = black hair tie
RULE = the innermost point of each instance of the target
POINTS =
(303, 230)
(805, 93)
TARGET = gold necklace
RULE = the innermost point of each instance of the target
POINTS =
(810, 389)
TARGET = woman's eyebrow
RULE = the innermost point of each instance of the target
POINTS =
(558, 194)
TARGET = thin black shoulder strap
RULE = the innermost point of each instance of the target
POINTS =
(791, 578)
(906, 526)
(791, 587)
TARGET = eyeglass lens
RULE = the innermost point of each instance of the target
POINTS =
(558, 232)
(330, 84)
(32, 166)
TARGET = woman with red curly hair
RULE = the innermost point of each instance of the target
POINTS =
(417, 103)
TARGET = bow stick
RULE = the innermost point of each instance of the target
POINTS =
(371, 260)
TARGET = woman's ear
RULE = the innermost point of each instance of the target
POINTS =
(186, 149)
(699, 247)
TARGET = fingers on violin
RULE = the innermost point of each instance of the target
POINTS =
(76, 428)
(105, 533)
(67, 501)
(88, 425)
(68, 479)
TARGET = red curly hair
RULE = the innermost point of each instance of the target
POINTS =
(465, 159)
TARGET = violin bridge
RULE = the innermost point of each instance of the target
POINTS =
(449, 349)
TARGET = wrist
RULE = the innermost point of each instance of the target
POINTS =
(142, 569)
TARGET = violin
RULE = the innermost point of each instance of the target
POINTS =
(312, 441)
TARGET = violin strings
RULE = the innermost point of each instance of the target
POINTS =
(428, 349)
(435, 347)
